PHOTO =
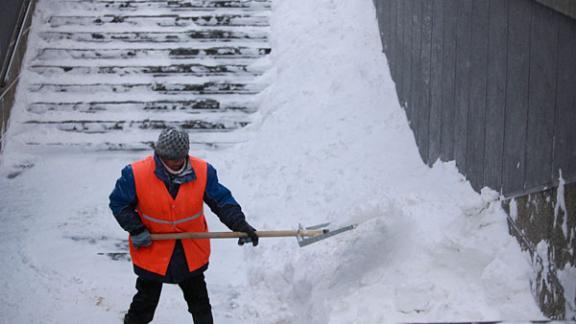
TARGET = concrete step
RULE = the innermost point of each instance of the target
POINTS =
(157, 37)
(206, 88)
(224, 52)
(189, 107)
(91, 146)
(214, 117)
(104, 1)
(66, 147)
(106, 126)
(200, 20)
(176, 69)
(50, 138)
(135, 96)
(195, 5)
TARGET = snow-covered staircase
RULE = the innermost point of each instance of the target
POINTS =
(108, 74)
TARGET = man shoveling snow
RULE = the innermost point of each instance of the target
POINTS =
(165, 193)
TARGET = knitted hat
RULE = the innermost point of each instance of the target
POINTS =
(172, 144)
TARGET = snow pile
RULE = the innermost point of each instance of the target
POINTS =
(335, 146)
(331, 144)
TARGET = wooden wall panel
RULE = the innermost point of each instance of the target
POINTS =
(399, 50)
(478, 87)
(462, 81)
(436, 80)
(490, 84)
(423, 101)
(496, 93)
(407, 49)
(416, 64)
(393, 47)
(542, 98)
(448, 83)
(565, 130)
(519, 20)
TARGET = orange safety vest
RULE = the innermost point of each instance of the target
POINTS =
(160, 213)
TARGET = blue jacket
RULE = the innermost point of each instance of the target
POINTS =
(123, 202)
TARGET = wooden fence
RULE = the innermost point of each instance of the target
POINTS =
(490, 84)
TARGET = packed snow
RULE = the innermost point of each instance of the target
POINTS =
(330, 143)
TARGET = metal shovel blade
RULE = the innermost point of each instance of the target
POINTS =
(303, 241)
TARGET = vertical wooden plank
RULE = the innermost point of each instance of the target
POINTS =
(406, 58)
(519, 21)
(394, 50)
(390, 24)
(399, 55)
(423, 112)
(496, 93)
(391, 50)
(462, 82)
(478, 83)
(416, 71)
(436, 80)
(542, 97)
(389, 17)
(448, 75)
(385, 14)
(378, 7)
(565, 134)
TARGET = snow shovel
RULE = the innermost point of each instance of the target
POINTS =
(305, 236)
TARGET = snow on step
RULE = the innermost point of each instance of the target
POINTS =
(134, 5)
(107, 113)
(134, 146)
(157, 37)
(164, 88)
(181, 69)
(130, 139)
(190, 107)
(234, 20)
(226, 52)
(104, 126)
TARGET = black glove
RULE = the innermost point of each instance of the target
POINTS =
(142, 239)
(252, 236)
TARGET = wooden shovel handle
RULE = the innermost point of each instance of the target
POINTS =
(223, 235)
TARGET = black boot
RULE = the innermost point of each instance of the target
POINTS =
(196, 295)
(144, 302)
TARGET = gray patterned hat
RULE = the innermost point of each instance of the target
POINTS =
(172, 144)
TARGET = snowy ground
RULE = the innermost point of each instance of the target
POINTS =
(331, 144)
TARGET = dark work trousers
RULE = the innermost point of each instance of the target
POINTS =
(148, 294)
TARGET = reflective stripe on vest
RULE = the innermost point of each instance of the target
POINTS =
(180, 221)
(161, 213)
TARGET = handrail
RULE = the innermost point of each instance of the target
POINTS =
(15, 42)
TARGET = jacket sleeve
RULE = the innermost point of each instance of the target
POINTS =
(123, 203)
(221, 202)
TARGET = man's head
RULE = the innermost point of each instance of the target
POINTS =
(172, 147)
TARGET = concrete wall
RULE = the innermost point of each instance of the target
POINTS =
(9, 14)
(9, 10)
(545, 225)
(491, 84)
